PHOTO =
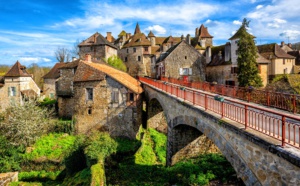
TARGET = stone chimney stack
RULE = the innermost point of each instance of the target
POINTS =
(282, 43)
(188, 39)
(108, 36)
(88, 58)
(197, 32)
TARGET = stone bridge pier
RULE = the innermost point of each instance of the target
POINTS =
(256, 160)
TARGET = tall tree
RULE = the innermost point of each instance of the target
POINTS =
(116, 62)
(247, 54)
(62, 54)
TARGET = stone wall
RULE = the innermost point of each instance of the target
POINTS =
(101, 113)
(185, 56)
(49, 88)
(6, 178)
(257, 159)
(64, 86)
(219, 74)
(97, 52)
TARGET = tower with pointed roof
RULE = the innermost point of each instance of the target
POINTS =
(203, 37)
(151, 36)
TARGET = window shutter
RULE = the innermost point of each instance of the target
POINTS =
(190, 71)
(9, 91)
(180, 71)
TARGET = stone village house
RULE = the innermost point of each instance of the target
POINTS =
(99, 96)
(16, 85)
(182, 61)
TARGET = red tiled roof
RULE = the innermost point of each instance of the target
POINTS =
(17, 70)
(54, 72)
(85, 72)
(272, 50)
(203, 32)
(72, 64)
(120, 76)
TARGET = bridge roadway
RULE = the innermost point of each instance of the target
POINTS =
(263, 122)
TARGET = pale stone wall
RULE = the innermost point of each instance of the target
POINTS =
(100, 113)
(264, 74)
(277, 66)
(109, 52)
(256, 159)
(6, 178)
(49, 88)
(183, 56)
(4, 101)
(97, 51)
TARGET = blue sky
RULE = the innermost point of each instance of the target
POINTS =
(31, 30)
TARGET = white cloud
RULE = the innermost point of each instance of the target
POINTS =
(33, 59)
(157, 29)
(273, 25)
(291, 34)
(279, 20)
(259, 7)
(236, 22)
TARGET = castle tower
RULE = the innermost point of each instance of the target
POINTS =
(152, 38)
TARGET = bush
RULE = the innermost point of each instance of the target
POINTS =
(99, 145)
(38, 175)
(24, 124)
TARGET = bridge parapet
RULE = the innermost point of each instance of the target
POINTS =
(257, 158)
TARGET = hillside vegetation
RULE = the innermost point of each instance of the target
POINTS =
(286, 83)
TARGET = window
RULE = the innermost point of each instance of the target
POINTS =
(125, 59)
(185, 57)
(89, 111)
(131, 97)
(12, 91)
(139, 58)
(51, 95)
(185, 71)
(89, 94)
(134, 49)
(284, 61)
(115, 96)
(127, 50)
(234, 70)
(236, 52)
(146, 49)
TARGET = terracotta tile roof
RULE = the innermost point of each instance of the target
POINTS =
(161, 40)
(203, 32)
(238, 34)
(29, 93)
(272, 50)
(96, 39)
(54, 72)
(17, 70)
(138, 39)
(137, 29)
(155, 49)
(151, 34)
(120, 76)
(72, 64)
(85, 72)
(261, 59)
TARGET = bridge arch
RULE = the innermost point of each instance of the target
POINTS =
(185, 129)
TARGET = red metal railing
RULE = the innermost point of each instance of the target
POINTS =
(289, 102)
(278, 125)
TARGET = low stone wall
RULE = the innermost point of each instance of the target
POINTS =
(6, 178)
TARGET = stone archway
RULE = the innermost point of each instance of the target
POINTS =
(156, 117)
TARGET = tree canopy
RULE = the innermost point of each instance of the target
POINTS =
(116, 62)
(247, 54)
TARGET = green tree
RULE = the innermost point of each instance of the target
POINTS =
(116, 62)
(24, 123)
(247, 54)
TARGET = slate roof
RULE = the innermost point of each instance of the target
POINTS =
(203, 32)
(238, 34)
(272, 50)
(96, 39)
(54, 72)
(17, 70)
(97, 71)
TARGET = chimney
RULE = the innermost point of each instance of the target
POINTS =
(188, 39)
(88, 57)
(208, 55)
(196, 32)
(108, 36)
(282, 43)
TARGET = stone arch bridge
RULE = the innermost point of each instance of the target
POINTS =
(256, 160)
